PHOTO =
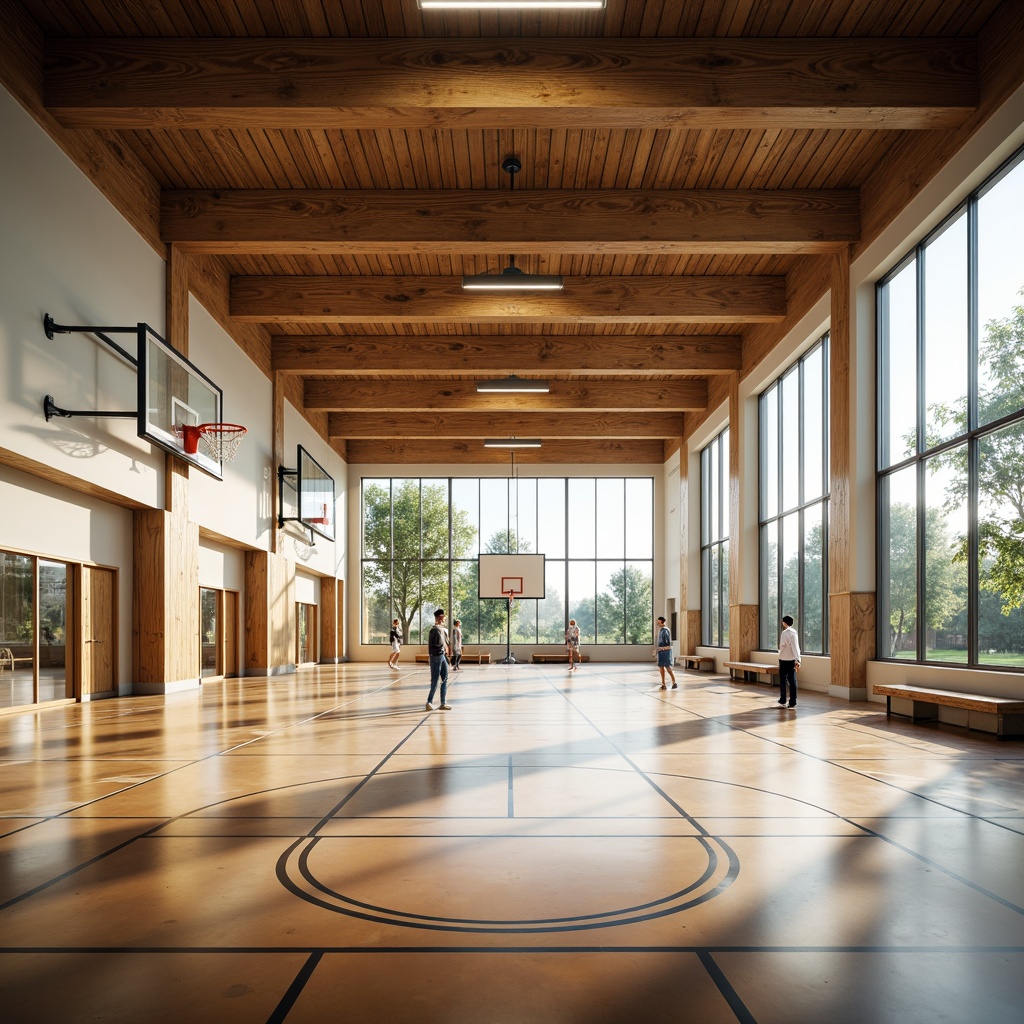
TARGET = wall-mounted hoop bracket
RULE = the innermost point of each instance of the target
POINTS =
(51, 328)
(51, 409)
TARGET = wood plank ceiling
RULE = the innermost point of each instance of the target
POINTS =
(342, 161)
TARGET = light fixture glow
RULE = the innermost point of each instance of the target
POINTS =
(512, 442)
(512, 279)
(507, 385)
(510, 5)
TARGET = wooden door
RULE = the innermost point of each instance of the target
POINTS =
(98, 633)
(229, 658)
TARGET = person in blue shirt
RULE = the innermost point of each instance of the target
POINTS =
(665, 652)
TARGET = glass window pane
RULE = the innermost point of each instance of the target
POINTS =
(582, 603)
(611, 602)
(582, 541)
(640, 602)
(1001, 547)
(812, 614)
(639, 518)
(790, 398)
(465, 604)
(769, 583)
(790, 566)
(705, 596)
(17, 637)
(705, 496)
(1000, 302)
(377, 613)
(715, 492)
(551, 525)
(494, 516)
(405, 518)
(552, 618)
(611, 518)
(770, 452)
(716, 597)
(434, 506)
(898, 583)
(945, 334)
(377, 518)
(945, 553)
(208, 632)
(814, 419)
(465, 517)
(724, 598)
(899, 332)
(406, 601)
(523, 497)
(54, 683)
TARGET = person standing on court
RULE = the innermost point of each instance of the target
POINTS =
(572, 642)
(396, 643)
(789, 660)
(437, 649)
(665, 652)
(457, 646)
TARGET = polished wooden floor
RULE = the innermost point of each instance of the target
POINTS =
(556, 848)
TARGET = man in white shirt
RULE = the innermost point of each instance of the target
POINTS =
(789, 660)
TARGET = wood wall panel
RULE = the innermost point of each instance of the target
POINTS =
(329, 648)
(269, 613)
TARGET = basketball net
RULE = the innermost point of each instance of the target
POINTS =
(511, 599)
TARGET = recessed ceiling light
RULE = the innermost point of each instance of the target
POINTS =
(512, 442)
(513, 384)
(510, 5)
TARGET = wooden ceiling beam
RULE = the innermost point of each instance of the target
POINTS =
(441, 300)
(506, 354)
(470, 452)
(579, 395)
(516, 83)
(548, 221)
(448, 424)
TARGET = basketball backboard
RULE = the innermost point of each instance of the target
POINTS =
(174, 394)
(522, 574)
(307, 495)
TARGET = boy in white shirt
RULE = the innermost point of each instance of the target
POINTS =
(789, 660)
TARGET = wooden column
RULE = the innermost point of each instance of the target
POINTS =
(165, 585)
(742, 614)
(329, 648)
(269, 613)
(851, 614)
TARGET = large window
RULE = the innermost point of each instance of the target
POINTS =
(714, 542)
(422, 538)
(951, 437)
(793, 502)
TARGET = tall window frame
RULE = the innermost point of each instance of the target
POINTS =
(714, 541)
(950, 458)
(597, 534)
(793, 500)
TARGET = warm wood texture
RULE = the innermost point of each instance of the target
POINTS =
(743, 631)
(840, 432)
(522, 83)
(852, 624)
(269, 613)
(537, 221)
(360, 426)
(952, 698)
(518, 354)
(402, 396)
(165, 596)
(363, 300)
(462, 452)
(229, 633)
(329, 647)
(99, 631)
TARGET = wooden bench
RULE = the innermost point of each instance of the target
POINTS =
(482, 658)
(696, 661)
(925, 702)
(10, 660)
(540, 658)
(751, 670)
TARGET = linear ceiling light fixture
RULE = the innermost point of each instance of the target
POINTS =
(512, 442)
(513, 384)
(510, 5)
(512, 279)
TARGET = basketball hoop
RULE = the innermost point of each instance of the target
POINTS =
(219, 441)
(511, 598)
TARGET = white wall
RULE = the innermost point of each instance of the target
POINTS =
(65, 251)
(40, 518)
